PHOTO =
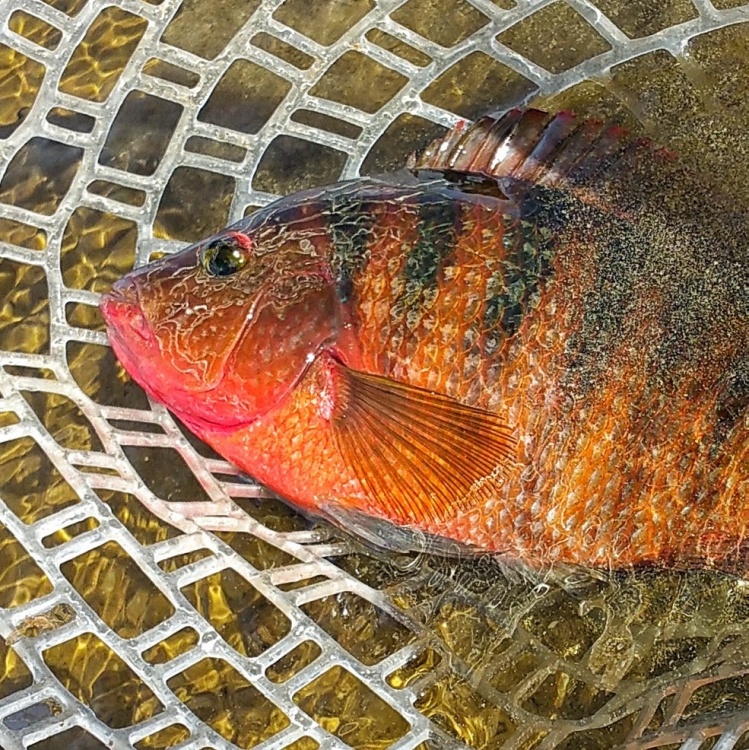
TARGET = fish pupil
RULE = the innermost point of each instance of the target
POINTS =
(223, 257)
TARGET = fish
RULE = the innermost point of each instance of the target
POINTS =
(527, 342)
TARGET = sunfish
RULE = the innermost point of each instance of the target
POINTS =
(527, 342)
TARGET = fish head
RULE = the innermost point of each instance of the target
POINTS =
(221, 331)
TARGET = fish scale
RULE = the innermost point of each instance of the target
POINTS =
(525, 344)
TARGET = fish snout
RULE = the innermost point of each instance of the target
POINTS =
(125, 290)
(121, 308)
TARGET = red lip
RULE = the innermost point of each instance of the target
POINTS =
(122, 311)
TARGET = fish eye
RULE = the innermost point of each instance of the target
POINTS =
(223, 257)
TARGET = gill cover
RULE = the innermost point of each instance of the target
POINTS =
(290, 325)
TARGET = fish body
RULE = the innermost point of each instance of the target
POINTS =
(522, 344)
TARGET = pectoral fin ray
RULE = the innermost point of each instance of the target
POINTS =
(419, 455)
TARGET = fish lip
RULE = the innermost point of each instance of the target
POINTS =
(124, 290)
(122, 304)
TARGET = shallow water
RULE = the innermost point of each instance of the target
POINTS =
(498, 662)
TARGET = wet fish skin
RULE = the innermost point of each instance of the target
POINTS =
(525, 344)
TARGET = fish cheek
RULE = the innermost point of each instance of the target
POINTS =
(196, 320)
(196, 339)
(277, 347)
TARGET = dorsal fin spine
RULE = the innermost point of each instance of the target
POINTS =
(532, 146)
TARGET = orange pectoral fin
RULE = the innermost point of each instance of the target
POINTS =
(418, 454)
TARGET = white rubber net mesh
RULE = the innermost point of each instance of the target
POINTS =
(128, 128)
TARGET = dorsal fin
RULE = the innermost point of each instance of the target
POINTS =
(536, 147)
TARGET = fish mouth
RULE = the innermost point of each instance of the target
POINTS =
(130, 335)
(132, 340)
(122, 311)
